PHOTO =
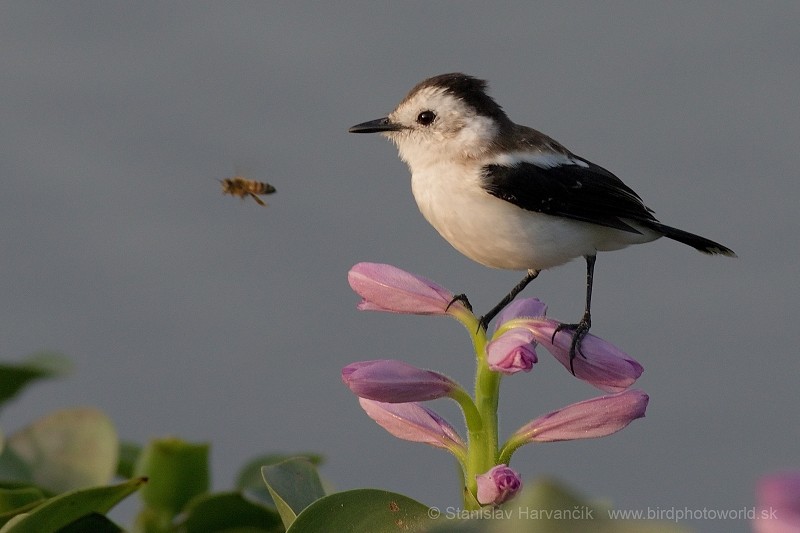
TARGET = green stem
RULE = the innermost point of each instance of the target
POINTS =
(482, 448)
(471, 414)
(508, 449)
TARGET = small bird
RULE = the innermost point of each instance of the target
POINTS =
(509, 196)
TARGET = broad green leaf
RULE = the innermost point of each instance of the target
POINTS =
(250, 474)
(16, 376)
(17, 501)
(251, 481)
(12, 467)
(94, 523)
(293, 484)
(583, 515)
(69, 449)
(14, 498)
(228, 511)
(360, 510)
(177, 470)
(454, 525)
(128, 455)
(15, 485)
(64, 509)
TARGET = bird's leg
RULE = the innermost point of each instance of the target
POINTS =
(485, 319)
(582, 327)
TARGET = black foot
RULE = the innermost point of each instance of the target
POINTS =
(459, 298)
(580, 331)
(483, 322)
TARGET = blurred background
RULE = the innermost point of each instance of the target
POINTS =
(193, 314)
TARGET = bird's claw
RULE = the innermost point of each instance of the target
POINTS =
(462, 298)
(483, 322)
(579, 332)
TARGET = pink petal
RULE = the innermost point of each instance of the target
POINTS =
(413, 422)
(602, 364)
(389, 380)
(588, 419)
(522, 308)
(388, 288)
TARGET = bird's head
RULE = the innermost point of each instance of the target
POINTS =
(447, 118)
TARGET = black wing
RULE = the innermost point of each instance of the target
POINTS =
(588, 193)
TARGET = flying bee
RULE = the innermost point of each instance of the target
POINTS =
(243, 187)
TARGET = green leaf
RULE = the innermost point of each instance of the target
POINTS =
(64, 509)
(16, 376)
(293, 484)
(251, 481)
(15, 498)
(96, 523)
(17, 501)
(583, 516)
(228, 511)
(68, 449)
(359, 510)
(177, 470)
(128, 455)
(12, 467)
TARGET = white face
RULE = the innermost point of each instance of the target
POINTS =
(438, 127)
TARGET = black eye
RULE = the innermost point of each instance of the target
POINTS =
(426, 117)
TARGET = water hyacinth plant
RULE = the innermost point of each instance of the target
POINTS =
(390, 391)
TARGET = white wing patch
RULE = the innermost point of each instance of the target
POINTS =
(539, 158)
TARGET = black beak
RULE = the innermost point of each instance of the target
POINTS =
(375, 126)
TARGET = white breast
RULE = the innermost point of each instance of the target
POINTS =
(499, 234)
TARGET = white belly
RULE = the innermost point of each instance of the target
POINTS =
(499, 234)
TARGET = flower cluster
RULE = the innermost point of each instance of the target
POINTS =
(390, 391)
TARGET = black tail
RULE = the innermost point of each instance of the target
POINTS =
(707, 246)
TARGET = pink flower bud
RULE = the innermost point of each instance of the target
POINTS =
(511, 352)
(599, 363)
(498, 485)
(588, 419)
(389, 380)
(388, 288)
(413, 422)
(522, 308)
